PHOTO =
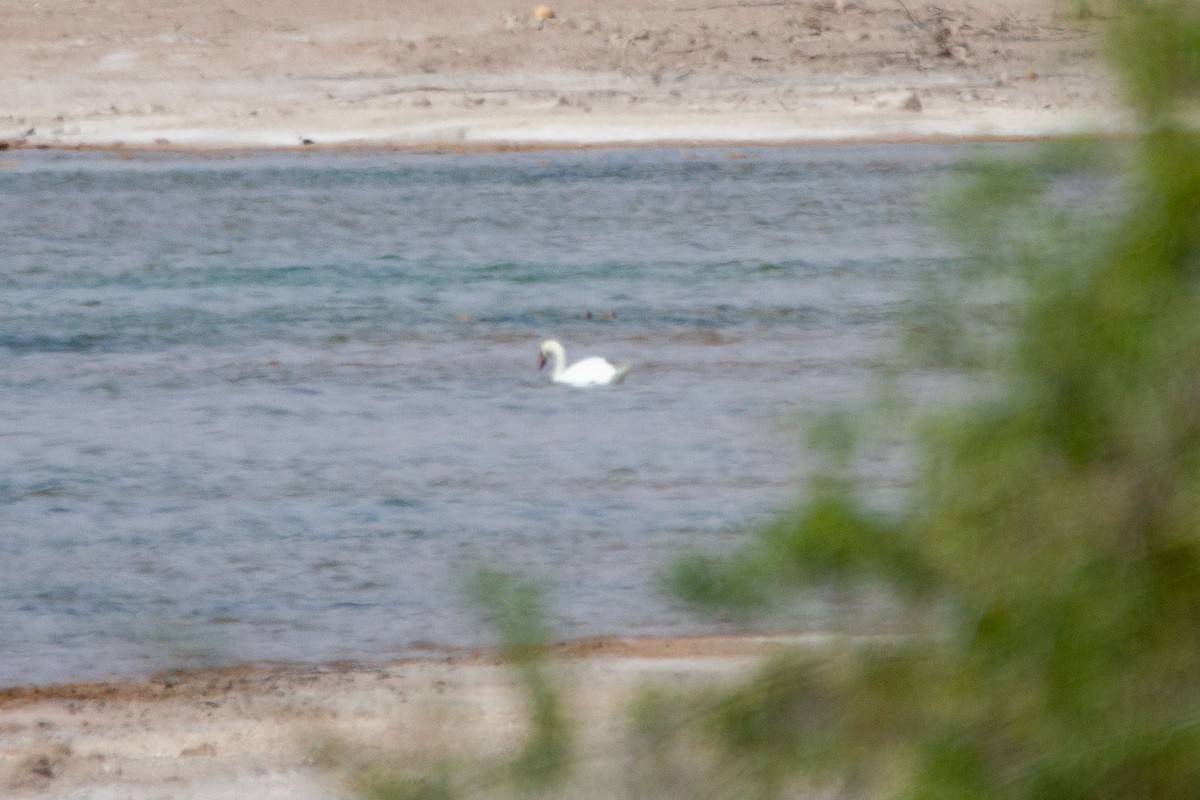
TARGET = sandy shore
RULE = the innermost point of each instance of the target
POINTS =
(301, 733)
(492, 73)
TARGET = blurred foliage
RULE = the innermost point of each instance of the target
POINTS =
(1049, 550)
(514, 608)
(383, 785)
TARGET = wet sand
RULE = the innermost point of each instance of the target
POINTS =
(496, 74)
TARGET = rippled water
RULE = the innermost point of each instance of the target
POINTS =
(283, 406)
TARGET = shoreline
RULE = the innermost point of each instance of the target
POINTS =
(399, 74)
(309, 732)
(600, 132)
(436, 147)
(200, 681)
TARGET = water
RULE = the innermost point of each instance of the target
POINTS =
(281, 407)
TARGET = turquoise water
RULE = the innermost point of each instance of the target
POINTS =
(281, 407)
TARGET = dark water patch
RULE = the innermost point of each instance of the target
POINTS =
(71, 343)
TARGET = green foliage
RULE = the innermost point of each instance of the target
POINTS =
(514, 607)
(388, 786)
(1051, 542)
(830, 535)
(1157, 49)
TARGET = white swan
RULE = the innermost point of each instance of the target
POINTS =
(592, 371)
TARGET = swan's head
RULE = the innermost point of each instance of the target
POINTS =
(549, 349)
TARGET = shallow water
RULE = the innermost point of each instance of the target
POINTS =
(281, 407)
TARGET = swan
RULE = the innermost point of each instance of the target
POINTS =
(592, 371)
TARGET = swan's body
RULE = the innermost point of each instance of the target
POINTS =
(592, 371)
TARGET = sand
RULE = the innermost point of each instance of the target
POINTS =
(251, 74)
(495, 74)
(304, 733)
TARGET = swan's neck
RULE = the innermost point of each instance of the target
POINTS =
(558, 360)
